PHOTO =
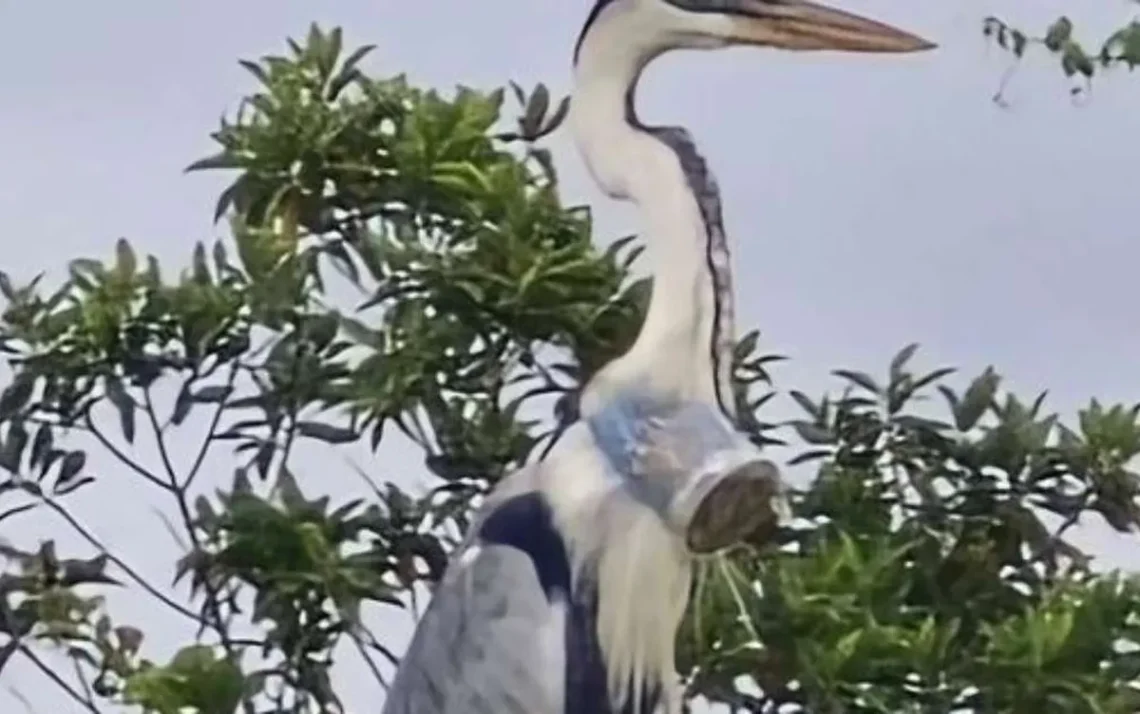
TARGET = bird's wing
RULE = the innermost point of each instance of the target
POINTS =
(490, 642)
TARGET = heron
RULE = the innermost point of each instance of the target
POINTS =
(567, 592)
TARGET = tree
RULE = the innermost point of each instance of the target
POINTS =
(920, 576)
(1060, 41)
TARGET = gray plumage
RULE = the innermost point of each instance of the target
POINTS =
(487, 638)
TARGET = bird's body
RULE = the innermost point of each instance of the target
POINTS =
(567, 593)
(519, 624)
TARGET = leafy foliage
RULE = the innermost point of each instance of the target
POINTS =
(925, 573)
(1120, 49)
(921, 575)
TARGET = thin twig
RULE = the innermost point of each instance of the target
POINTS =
(213, 605)
(16, 510)
(208, 441)
(122, 565)
(160, 440)
(60, 681)
(23, 700)
(7, 652)
(118, 453)
(170, 529)
(82, 679)
(370, 662)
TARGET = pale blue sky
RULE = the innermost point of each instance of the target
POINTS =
(871, 201)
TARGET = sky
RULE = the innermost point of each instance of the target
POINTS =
(871, 201)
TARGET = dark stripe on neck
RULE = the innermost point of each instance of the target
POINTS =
(707, 196)
(590, 19)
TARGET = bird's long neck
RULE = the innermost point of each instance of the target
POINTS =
(684, 348)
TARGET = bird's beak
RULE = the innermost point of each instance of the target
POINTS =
(805, 25)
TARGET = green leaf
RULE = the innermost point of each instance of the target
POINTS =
(232, 193)
(976, 400)
(41, 446)
(1019, 41)
(124, 405)
(62, 489)
(746, 345)
(1074, 60)
(900, 360)
(125, 262)
(12, 451)
(807, 405)
(321, 330)
(859, 378)
(6, 287)
(931, 378)
(221, 160)
(16, 395)
(201, 271)
(326, 432)
(556, 119)
(182, 405)
(214, 394)
(536, 109)
(256, 70)
(1058, 34)
(813, 433)
(263, 459)
(348, 72)
(810, 455)
(72, 464)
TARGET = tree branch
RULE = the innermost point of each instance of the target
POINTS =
(128, 461)
(160, 440)
(213, 606)
(206, 443)
(119, 562)
(60, 681)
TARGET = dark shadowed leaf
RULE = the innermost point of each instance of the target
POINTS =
(124, 405)
(536, 109)
(6, 287)
(256, 70)
(977, 398)
(62, 489)
(859, 378)
(221, 160)
(213, 394)
(182, 405)
(72, 464)
(16, 395)
(900, 360)
(807, 405)
(12, 451)
(813, 433)
(556, 119)
(813, 455)
(326, 432)
(264, 458)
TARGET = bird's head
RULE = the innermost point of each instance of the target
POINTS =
(655, 26)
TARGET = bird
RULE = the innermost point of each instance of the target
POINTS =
(566, 594)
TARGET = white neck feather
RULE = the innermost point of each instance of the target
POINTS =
(641, 568)
(671, 355)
